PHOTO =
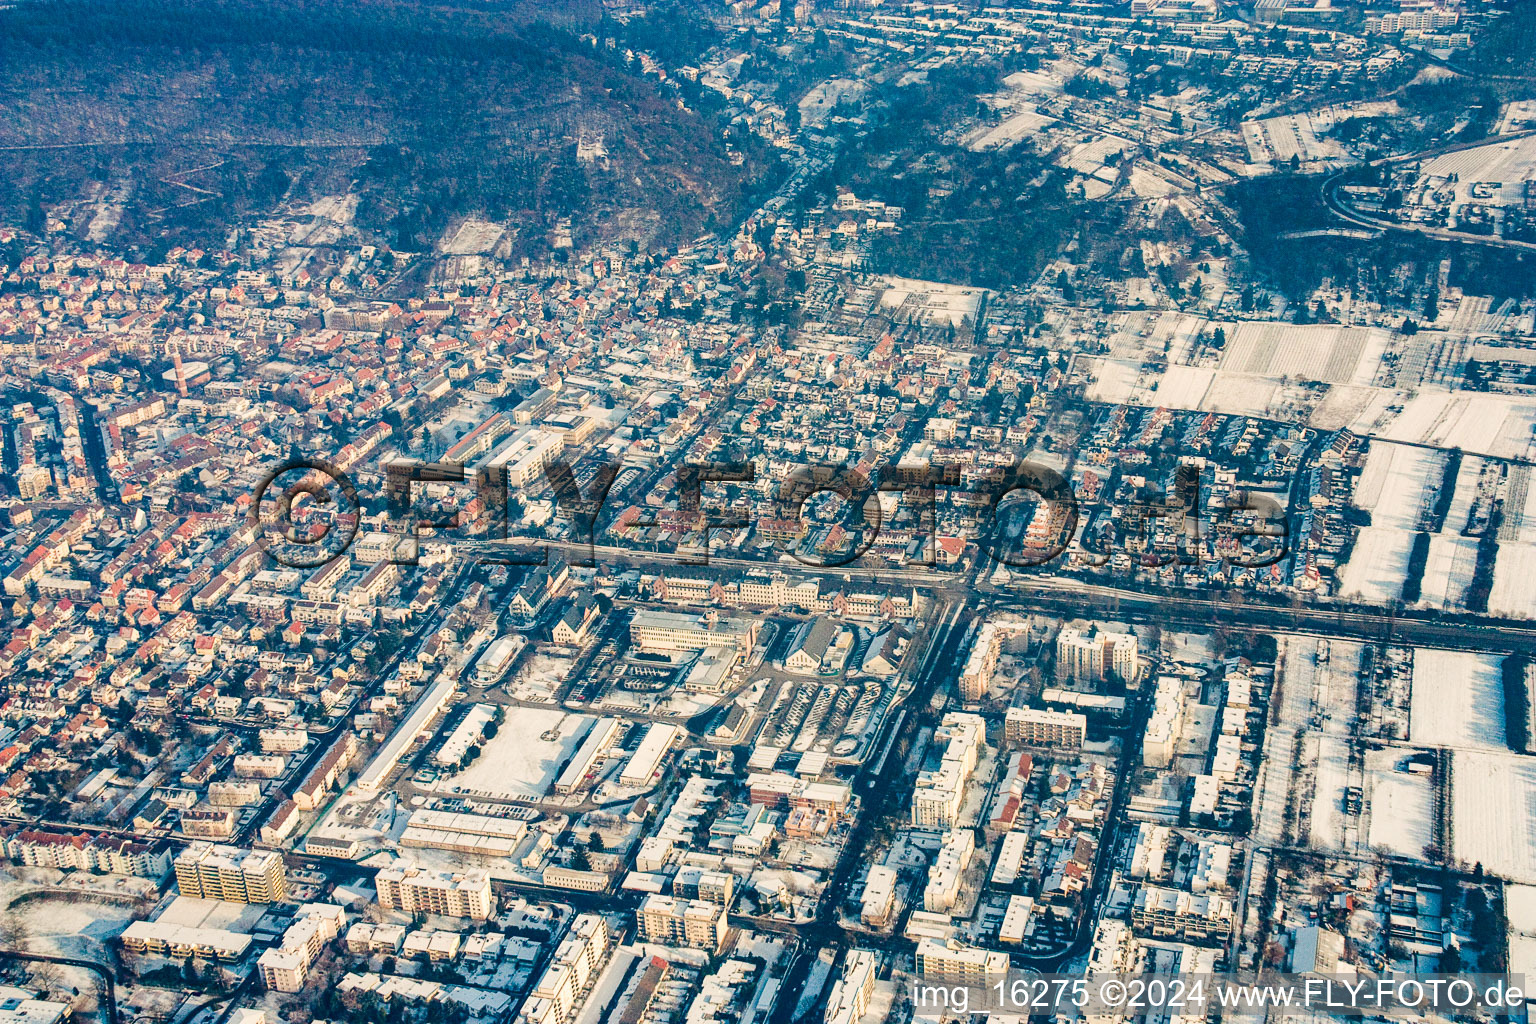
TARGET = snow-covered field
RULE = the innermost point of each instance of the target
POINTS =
(1331, 688)
(1114, 381)
(1497, 425)
(1306, 747)
(1449, 570)
(472, 236)
(1512, 593)
(1515, 117)
(1332, 768)
(1183, 387)
(1402, 805)
(1520, 912)
(340, 209)
(1333, 353)
(1509, 163)
(1458, 700)
(937, 302)
(540, 677)
(1090, 157)
(1460, 512)
(819, 103)
(1493, 812)
(1277, 139)
(63, 924)
(1396, 483)
(1306, 135)
(521, 760)
(1148, 183)
(1395, 487)
(1377, 565)
(1012, 130)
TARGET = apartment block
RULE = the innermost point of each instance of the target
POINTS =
(1090, 655)
(673, 922)
(230, 873)
(1171, 913)
(420, 891)
(1041, 727)
(558, 994)
(285, 967)
(960, 962)
(976, 675)
(848, 1001)
(940, 792)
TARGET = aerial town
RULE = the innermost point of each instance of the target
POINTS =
(761, 626)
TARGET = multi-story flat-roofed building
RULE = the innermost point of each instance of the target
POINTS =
(1039, 727)
(878, 897)
(230, 873)
(178, 942)
(954, 960)
(557, 994)
(209, 822)
(604, 733)
(671, 631)
(848, 1001)
(420, 891)
(976, 675)
(694, 883)
(673, 922)
(285, 967)
(940, 792)
(948, 869)
(1173, 913)
(1160, 742)
(647, 757)
(1090, 655)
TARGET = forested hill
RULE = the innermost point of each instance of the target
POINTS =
(429, 110)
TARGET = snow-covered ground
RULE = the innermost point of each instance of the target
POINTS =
(1334, 353)
(1277, 139)
(1332, 768)
(1183, 387)
(64, 923)
(1277, 772)
(1114, 381)
(540, 677)
(818, 104)
(1458, 700)
(1402, 805)
(1513, 570)
(1449, 570)
(1015, 128)
(1148, 183)
(1397, 486)
(1377, 565)
(1497, 425)
(1396, 483)
(1330, 687)
(1509, 163)
(472, 236)
(1520, 912)
(521, 760)
(1493, 812)
(1307, 135)
(936, 302)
